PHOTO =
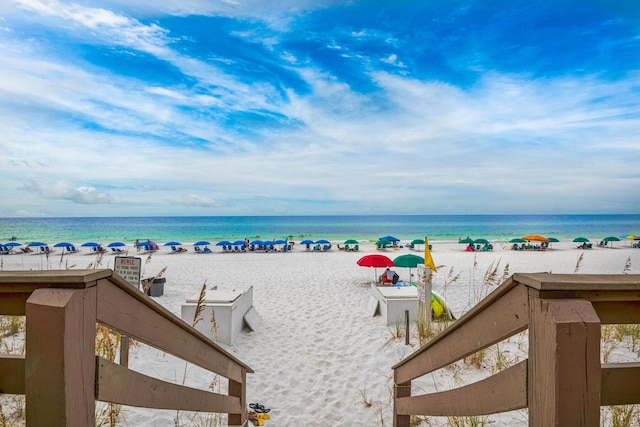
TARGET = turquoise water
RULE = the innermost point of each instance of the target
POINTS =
(439, 228)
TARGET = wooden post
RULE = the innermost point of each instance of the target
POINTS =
(124, 350)
(400, 390)
(238, 389)
(406, 327)
(564, 363)
(60, 357)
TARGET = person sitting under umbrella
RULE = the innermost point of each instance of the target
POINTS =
(389, 277)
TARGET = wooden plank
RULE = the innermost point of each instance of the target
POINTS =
(618, 312)
(564, 363)
(13, 304)
(60, 357)
(620, 384)
(507, 316)
(467, 317)
(586, 282)
(504, 391)
(28, 281)
(120, 385)
(139, 318)
(12, 374)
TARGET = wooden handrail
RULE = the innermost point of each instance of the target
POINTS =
(563, 313)
(60, 373)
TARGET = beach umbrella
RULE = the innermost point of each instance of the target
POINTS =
(220, 243)
(409, 261)
(517, 240)
(172, 243)
(201, 243)
(417, 242)
(239, 243)
(351, 242)
(580, 240)
(466, 241)
(610, 239)
(13, 244)
(37, 244)
(90, 245)
(481, 242)
(376, 261)
(62, 245)
(116, 245)
(553, 240)
(389, 239)
(536, 238)
(279, 242)
(323, 241)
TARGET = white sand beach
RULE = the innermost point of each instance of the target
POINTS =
(319, 358)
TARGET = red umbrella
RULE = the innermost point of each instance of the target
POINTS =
(375, 261)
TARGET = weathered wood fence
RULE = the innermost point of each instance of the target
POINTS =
(62, 377)
(563, 382)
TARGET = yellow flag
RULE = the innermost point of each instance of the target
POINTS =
(428, 259)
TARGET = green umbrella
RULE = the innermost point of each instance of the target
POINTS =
(408, 260)
(517, 240)
(481, 241)
(611, 239)
(581, 240)
(417, 242)
(467, 240)
(351, 242)
(553, 239)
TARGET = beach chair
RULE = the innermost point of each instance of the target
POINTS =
(197, 249)
(206, 250)
(356, 248)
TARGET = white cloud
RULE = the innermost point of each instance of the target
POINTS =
(62, 190)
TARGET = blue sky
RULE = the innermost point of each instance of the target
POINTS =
(204, 107)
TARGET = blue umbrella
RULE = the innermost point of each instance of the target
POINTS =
(323, 241)
(90, 245)
(201, 243)
(257, 242)
(224, 243)
(116, 244)
(279, 242)
(62, 245)
(389, 239)
(12, 244)
(174, 243)
(307, 242)
(142, 244)
(37, 244)
(239, 243)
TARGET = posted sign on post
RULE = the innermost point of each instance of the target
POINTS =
(128, 267)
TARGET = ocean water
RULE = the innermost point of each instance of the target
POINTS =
(439, 228)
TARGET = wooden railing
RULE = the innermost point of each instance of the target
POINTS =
(62, 377)
(562, 382)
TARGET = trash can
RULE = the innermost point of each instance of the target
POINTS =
(156, 288)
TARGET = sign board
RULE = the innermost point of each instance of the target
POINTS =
(423, 276)
(128, 267)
